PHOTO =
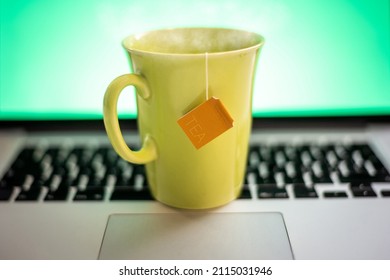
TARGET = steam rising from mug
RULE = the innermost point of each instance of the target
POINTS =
(192, 41)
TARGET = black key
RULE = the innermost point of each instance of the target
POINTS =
(110, 158)
(128, 193)
(5, 194)
(267, 155)
(292, 154)
(124, 172)
(4, 184)
(320, 172)
(385, 193)
(338, 194)
(90, 194)
(97, 159)
(324, 179)
(245, 193)
(23, 159)
(29, 162)
(82, 181)
(382, 174)
(376, 162)
(59, 195)
(53, 151)
(362, 190)
(354, 173)
(277, 169)
(364, 149)
(12, 178)
(380, 177)
(122, 181)
(301, 191)
(139, 169)
(112, 171)
(86, 171)
(138, 180)
(253, 158)
(305, 151)
(31, 195)
(66, 183)
(265, 175)
(97, 182)
(103, 150)
(265, 181)
(317, 152)
(62, 192)
(293, 174)
(28, 196)
(280, 157)
(78, 150)
(271, 191)
(59, 164)
(38, 184)
(294, 180)
(356, 178)
(246, 179)
(342, 151)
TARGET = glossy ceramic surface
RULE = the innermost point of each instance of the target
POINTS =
(170, 77)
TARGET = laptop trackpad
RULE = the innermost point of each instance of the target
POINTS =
(185, 235)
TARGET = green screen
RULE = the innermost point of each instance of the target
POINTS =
(321, 58)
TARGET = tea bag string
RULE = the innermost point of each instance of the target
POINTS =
(207, 75)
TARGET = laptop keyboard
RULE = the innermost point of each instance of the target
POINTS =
(273, 172)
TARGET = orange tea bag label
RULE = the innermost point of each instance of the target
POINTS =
(206, 122)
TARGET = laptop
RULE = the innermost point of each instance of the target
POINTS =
(317, 184)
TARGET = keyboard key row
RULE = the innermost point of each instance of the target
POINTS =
(303, 191)
(123, 193)
(352, 163)
(270, 168)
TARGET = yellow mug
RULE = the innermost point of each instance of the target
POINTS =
(175, 70)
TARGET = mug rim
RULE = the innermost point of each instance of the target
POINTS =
(125, 42)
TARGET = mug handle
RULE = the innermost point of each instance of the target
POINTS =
(148, 152)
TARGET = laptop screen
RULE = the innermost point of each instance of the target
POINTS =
(321, 58)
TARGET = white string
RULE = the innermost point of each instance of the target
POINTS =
(207, 75)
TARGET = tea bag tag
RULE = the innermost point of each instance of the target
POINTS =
(206, 122)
